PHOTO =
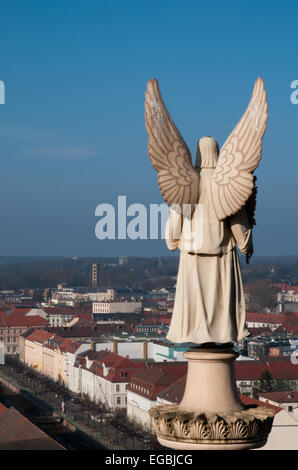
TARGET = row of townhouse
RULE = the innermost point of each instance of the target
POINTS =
(48, 353)
(103, 376)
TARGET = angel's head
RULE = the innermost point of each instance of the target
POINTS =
(207, 153)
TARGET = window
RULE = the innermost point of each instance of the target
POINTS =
(118, 400)
(117, 388)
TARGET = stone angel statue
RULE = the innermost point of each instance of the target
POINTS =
(220, 196)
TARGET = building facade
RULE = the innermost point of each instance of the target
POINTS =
(12, 326)
(116, 307)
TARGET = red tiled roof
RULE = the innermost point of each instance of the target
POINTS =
(281, 397)
(115, 361)
(84, 320)
(119, 368)
(20, 320)
(275, 318)
(177, 368)
(286, 287)
(85, 316)
(290, 318)
(15, 428)
(288, 328)
(39, 336)
(20, 311)
(252, 370)
(174, 392)
(94, 355)
(247, 401)
(64, 310)
(52, 341)
(69, 346)
(151, 381)
(55, 342)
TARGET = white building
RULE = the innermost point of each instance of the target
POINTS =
(284, 432)
(63, 296)
(144, 387)
(116, 307)
(102, 376)
(162, 351)
(60, 318)
(287, 400)
(105, 296)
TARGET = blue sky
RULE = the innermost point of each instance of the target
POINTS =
(72, 131)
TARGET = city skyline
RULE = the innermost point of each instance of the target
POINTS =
(72, 128)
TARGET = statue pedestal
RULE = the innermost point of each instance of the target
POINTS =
(211, 415)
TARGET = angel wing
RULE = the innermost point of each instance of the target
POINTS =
(169, 154)
(233, 183)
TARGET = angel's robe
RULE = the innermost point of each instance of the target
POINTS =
(209, 302)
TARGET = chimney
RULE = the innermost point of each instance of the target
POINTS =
(115, 347)
(145, 350)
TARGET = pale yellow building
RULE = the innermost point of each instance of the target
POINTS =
(48, 353)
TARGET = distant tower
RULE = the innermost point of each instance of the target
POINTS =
(95, 274)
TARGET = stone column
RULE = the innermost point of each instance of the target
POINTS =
(211, 415)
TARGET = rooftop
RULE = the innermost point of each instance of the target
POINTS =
(22, 321)
(89, 331)
(252, 370)
(151, 381)
(17, 432)
(174, 392)
(281, 397)
(115, 368)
